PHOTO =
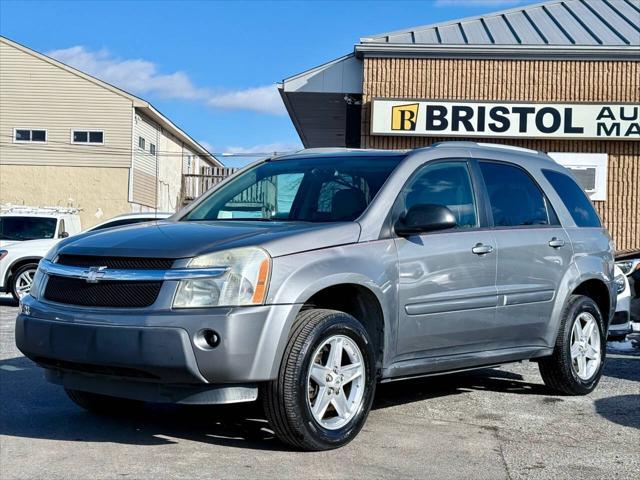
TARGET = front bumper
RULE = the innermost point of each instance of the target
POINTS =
(146, 347)
(620, 324)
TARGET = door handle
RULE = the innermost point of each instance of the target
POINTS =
(481, 249)
(556, 242)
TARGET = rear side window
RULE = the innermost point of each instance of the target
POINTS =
(574, 199)
(515, 198)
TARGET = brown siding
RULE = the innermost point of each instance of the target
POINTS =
(523, 80)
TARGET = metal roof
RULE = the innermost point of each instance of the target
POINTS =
(563, 23)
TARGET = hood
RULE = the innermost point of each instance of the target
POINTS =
(30, 248)
(6, 243)
(169, 239)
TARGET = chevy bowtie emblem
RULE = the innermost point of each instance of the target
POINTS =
(95, 274)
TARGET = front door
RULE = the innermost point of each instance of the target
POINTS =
(447, 293)
(535, 252)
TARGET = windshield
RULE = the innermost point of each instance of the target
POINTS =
(27, 228)
(324, 189)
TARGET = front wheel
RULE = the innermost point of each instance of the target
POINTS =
(576, 365)
(326, 383)
(22, 280)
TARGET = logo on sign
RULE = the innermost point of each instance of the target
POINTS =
(404, 117)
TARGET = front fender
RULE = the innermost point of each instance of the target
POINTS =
(372, 265)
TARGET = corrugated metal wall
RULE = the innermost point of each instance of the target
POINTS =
(523, 80)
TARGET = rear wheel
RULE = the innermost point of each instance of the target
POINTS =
(22, 280)
(326, 383)
(576, 365)
(103, 404)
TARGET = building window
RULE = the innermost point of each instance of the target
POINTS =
(152, 149)
(589, 170)
(87, 136)
(141, 143)
(29, 135)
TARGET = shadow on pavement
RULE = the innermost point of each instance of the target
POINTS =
(490, 379)
(622, 409)
(33, 408)
(7, 301)
(624, 367)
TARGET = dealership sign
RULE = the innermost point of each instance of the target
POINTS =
(509, 120)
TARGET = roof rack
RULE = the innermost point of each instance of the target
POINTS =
(467, 143)
(25, 209)
(507, 147)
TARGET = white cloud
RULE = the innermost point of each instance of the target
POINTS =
(262, 99)
(234, 156)
(279, 147)
(478, 3)
(206, 145)
(143, 77)
(257, 150)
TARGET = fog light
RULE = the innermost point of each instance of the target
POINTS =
(207, 339)
(25, 309)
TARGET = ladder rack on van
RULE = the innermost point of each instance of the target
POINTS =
(24, 209)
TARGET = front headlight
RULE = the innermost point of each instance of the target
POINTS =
(38, 284)
(621, 284)
(629, 266)
(243, 283)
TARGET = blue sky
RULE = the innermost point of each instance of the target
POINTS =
(211, 66)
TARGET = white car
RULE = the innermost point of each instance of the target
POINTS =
(621, 323)
(21, 224)
(26, 233)
(19, 259)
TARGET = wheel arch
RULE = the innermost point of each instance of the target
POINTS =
(598, 291)
(579, 280)
(360, 302)
(19, 262)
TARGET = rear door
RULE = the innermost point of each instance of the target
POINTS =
(447, 294)
(534, 252)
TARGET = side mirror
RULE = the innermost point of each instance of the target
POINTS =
(425, 218)
(63, 234)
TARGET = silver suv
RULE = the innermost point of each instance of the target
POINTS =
(307, 279)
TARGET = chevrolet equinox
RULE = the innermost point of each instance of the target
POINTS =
(306, 279)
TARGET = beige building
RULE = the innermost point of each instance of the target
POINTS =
(69, 139)
(561, 77)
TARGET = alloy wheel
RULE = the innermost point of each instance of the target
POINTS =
(336, 382)
(24, 282)
(586, 353)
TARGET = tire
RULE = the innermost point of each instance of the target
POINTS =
(561, 371)
(17, 277)
(288, 400)
(103, 404)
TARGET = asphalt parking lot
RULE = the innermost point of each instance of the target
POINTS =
(495, 423)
